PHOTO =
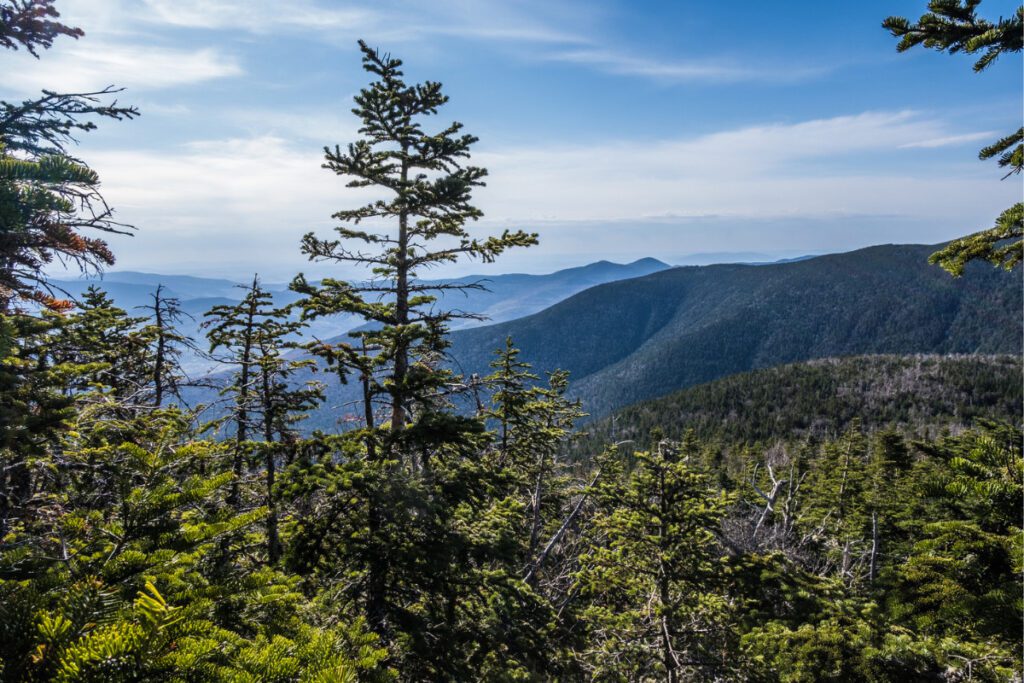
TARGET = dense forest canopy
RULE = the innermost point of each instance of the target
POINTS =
(436, 542)
(920, 396)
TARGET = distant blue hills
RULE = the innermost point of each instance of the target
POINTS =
(506, 297)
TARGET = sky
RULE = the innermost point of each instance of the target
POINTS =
(615, 129)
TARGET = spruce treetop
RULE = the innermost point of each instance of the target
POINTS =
(420, 223)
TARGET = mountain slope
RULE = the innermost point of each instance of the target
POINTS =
(822, 398)
(516, 295)
(628, 341)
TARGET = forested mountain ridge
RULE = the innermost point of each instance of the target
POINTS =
(636, 339)
(921, 395)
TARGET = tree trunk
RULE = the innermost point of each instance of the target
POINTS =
(242, 411)
(398, 406)
(538, 490)
(872, 565)
(273, 542)
(376, 587)
(161, 349)
(664, 592)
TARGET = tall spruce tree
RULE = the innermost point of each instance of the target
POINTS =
(652, 580)
(953, 26)
(165, 316)
(425, 525)
(232, 331)
(422, 221)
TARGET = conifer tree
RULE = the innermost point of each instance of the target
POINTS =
(953, 26)
(837, 512)
(652, 582)
(113, 530)
(165, 315)
(34, 407)
(112, 347)
(252, 336)
(32, 24)
(39, 222)
(281, 403)
(958, 582)
(232, 329)
(116, 577)
(534, 422)
(49, 201)
(420, 224)
(429, 191)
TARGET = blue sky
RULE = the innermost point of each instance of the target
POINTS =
(615, 129)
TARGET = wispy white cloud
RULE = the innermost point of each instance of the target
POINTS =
(251, 199)
(950, 140)
(393, 20)
(563, 31)
(79, 66)
(824, 167)
(682, 71)
(232, 204)
(316, 127)
(525, 21)
(781, 169)
(224, 183)
(256, 16)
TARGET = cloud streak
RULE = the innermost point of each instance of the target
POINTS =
(253, 198)
(780, 169)
(395, 21)
(950, 140)
(563, 32)
(682, 71)
(255, 16)
(391, 20)
(80, 67)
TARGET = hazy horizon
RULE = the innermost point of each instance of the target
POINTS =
(273, 275)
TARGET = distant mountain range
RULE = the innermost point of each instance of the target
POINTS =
(132, 290)
(516, 295)
(628, 341)
(753, 258)
(505, 297)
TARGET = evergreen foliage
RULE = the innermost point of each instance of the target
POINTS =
(429, 187)
(49, 200)
(953, 26)
(652, 577)
(169, 345)
(251, 336)
(32, 24)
